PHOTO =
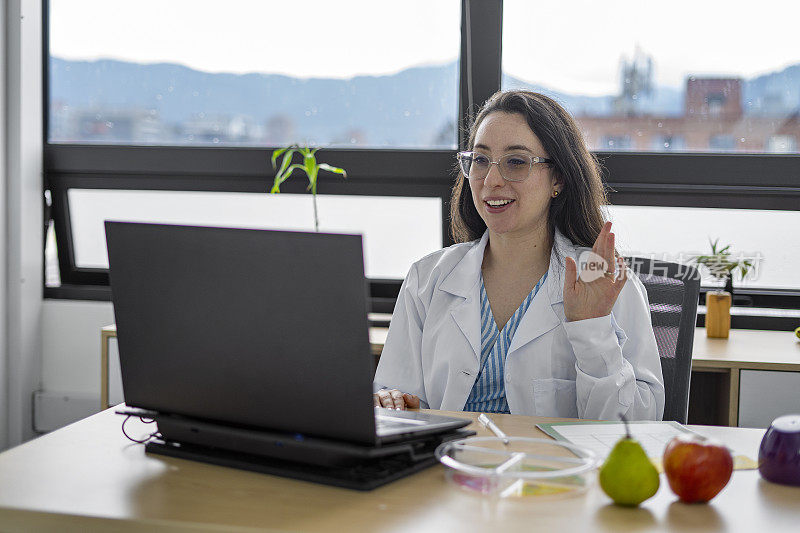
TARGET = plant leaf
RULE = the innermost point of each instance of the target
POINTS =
(337, 170)
(275, 154)
(287, 158)
(281, 177)
(310, 162)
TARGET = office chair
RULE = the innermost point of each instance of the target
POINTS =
(673, 290)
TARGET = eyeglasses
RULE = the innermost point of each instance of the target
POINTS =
(513, 167)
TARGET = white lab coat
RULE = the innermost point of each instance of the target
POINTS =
(597, 368)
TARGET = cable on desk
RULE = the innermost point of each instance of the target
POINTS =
(139, 441)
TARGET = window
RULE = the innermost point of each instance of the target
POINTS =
(782, 144)
(677, 234)
(616, 142)
(626, 67)
(254, 73)
(392, 239)
(707, 138)
(190, 115)
(667, 143)
(722, 143)
(714, 104)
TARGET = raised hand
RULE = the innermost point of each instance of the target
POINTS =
(592, 293)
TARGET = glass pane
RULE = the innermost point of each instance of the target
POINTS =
(250, 72)
(663, 76)
(52, 273)
(768, 238)
(397, 231)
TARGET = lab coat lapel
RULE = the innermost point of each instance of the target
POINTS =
(540, 316)
(464, 281)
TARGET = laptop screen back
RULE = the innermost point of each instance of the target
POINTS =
(249, 327)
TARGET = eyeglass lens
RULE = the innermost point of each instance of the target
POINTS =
(513, 167)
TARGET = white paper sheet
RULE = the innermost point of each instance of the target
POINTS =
(601, 437)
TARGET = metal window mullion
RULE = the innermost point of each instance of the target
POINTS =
(480, 66)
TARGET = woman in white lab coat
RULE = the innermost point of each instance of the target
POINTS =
(531, 312)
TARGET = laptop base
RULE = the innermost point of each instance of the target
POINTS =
(366, 475)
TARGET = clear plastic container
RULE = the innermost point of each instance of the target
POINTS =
(522, 467)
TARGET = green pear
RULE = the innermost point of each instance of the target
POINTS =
(628, 476)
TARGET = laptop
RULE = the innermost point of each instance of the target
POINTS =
(254, 341)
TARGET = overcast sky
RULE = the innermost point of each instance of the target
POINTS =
(572, 46)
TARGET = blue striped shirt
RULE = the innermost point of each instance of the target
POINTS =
(488, 394)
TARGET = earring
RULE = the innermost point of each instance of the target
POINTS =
(555, 193)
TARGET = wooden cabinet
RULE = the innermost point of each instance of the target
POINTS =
(719, 364)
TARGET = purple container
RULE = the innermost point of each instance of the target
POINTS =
(779, 454)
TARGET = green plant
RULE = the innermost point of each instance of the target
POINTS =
(309, 166)
(721, 265)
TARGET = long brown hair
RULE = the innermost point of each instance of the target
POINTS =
(577, 210)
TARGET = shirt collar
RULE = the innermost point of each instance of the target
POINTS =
(464, 277)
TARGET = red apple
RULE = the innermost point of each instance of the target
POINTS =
(697, 468)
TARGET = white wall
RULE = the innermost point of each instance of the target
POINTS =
(23, 216)
(71, 345)
(70, 386)
(51, 346)
(3, 244)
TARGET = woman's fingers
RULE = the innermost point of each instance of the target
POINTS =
(572, 273)
(607, 246)
(411, 401)
(397, 399)
(391, 399)
(609, 252)
(604, 247)
(385, 399)
(598, 241)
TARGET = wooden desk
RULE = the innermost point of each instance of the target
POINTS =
(716, 366)
(87, 476)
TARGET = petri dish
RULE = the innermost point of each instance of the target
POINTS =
(521, 468)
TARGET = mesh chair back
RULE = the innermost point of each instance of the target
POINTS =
(672, 290)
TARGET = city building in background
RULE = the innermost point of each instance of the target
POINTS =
(713, 118)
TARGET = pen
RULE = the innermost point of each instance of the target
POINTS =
(487, 422)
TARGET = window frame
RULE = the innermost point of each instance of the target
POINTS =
(370, 172)
(741, 181)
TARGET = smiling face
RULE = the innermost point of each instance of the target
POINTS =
(511, 208)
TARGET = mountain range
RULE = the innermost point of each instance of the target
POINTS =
(414, 108)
